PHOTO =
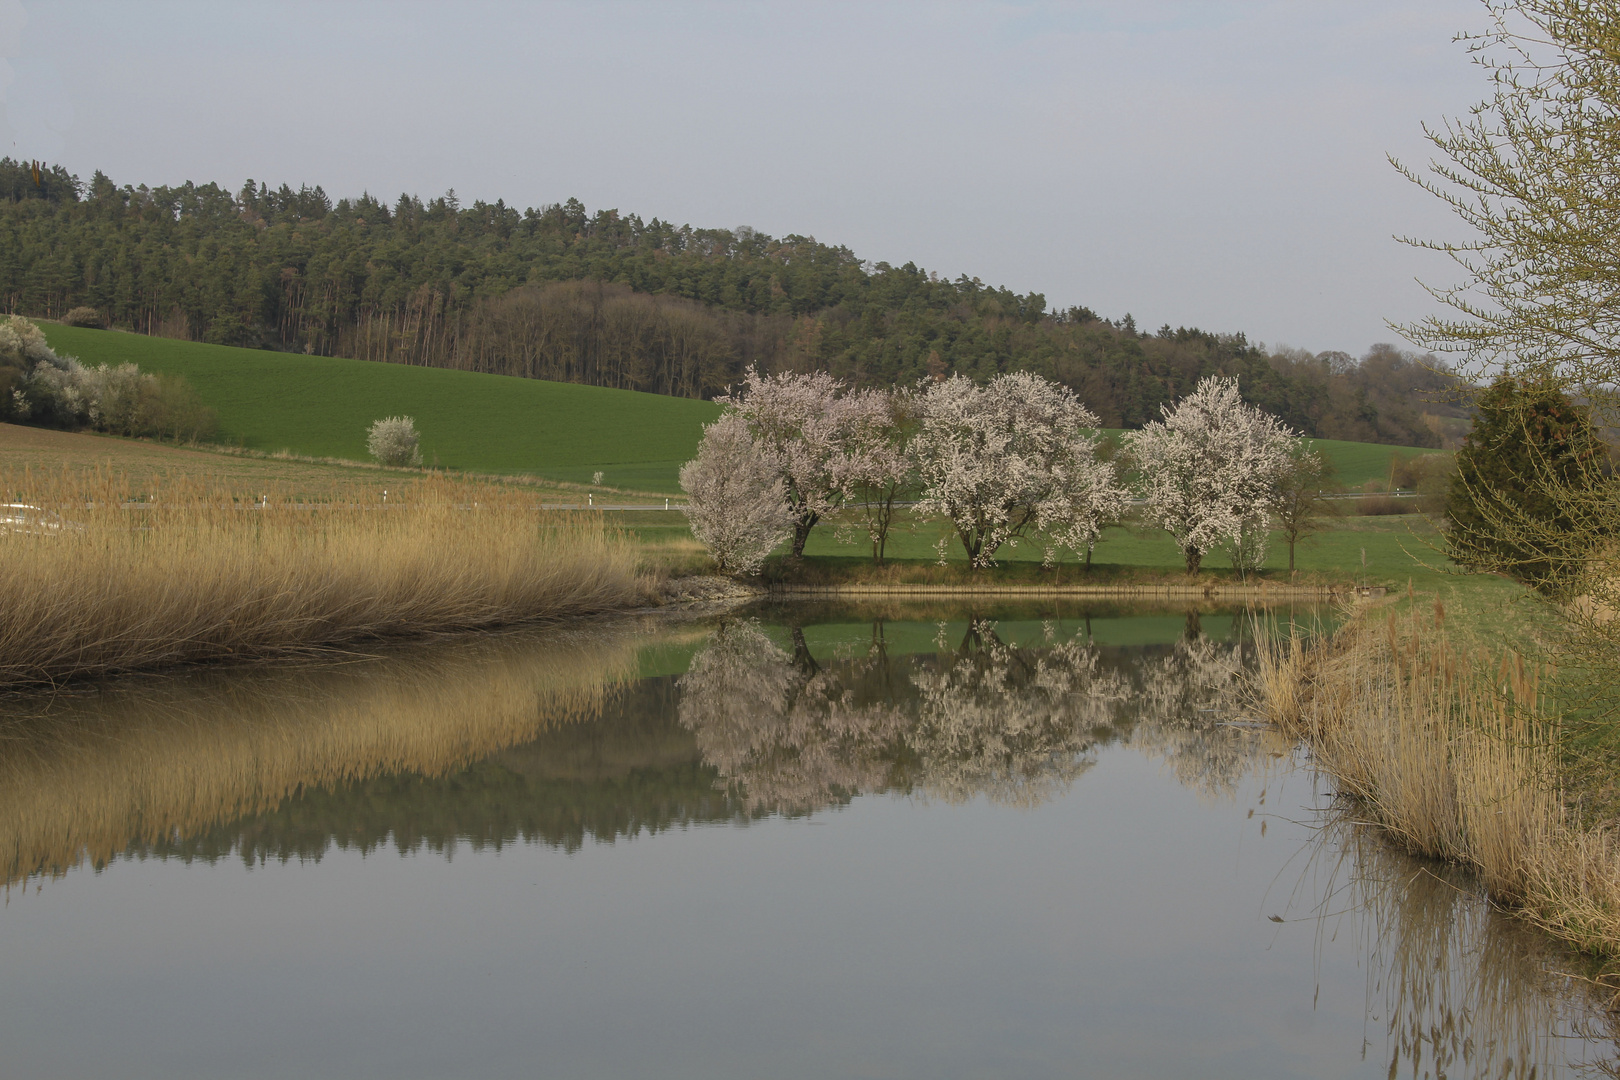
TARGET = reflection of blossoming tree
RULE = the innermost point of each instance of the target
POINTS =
(1012, 723)
(1015, 723)
(789, 735)
(1186, 697)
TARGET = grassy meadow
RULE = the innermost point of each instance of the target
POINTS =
(320, 407)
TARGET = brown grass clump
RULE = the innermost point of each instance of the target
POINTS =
(123, 578)
(1454, 751)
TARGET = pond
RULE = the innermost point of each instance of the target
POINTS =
(806, 841)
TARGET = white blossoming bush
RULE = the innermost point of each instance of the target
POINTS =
(1208, 469)
(803, 423)
(872, 465)
(1013, 458)
(394, 441)
(736, 500)
(37, 386)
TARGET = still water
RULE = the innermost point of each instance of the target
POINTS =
(793, 842)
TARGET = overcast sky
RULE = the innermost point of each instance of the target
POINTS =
(1211, 164)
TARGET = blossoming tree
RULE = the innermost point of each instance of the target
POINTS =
(801, 422)
(736, 501)
(872, 466)
(1009, 459)
(1208, 469)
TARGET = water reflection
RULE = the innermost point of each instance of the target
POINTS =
(563, 739)
(1017, 723)
(156, 764)
(1454, 986)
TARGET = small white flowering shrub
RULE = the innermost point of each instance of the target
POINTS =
(394, 441)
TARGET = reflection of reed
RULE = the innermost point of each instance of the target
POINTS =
(1461, 989)
(160, 758)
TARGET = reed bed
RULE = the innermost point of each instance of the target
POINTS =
(180, 571)
(1454, 750)
(83, 777)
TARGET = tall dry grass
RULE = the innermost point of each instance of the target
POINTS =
(1453, 749)
(183, 571)
(85, 776)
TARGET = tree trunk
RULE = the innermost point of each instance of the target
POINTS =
(801, 533)
(1290, 556)
(1194, 557)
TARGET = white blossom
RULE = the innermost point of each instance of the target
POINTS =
(1010, 458)
(736, 500)
(1207, 470)
(872, 466)
(802, 422)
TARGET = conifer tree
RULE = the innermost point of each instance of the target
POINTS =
(1511, 505)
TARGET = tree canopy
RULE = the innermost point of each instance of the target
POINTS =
(610, 299)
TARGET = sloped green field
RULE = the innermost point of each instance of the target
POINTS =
(321, 407)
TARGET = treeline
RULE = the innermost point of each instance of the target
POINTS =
(612, 300)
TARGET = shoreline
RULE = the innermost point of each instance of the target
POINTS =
(1451, 747)
(1264, 591)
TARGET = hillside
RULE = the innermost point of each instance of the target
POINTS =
(608, 299)
(321, 407)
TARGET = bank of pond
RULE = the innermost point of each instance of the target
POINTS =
(793, 839)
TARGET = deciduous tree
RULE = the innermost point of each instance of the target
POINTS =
(1010, 459)
(1208, 467)
(802, 423)
(1299, 497)
(736, 500)
(873, 467)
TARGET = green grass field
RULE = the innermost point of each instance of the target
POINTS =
(321, 407)
(1397, 550)
(318, 406)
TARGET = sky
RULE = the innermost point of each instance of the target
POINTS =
(1208, 163)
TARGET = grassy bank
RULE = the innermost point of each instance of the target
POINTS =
(1387, 551)
(179, 571)
(1451, 738)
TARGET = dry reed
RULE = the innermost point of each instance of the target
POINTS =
(1454, 751)
(182, 571)
(150, 758)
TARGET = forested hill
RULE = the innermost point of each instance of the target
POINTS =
(612, 300)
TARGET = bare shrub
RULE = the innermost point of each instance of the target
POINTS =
(393, 441)
(1385, 505)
